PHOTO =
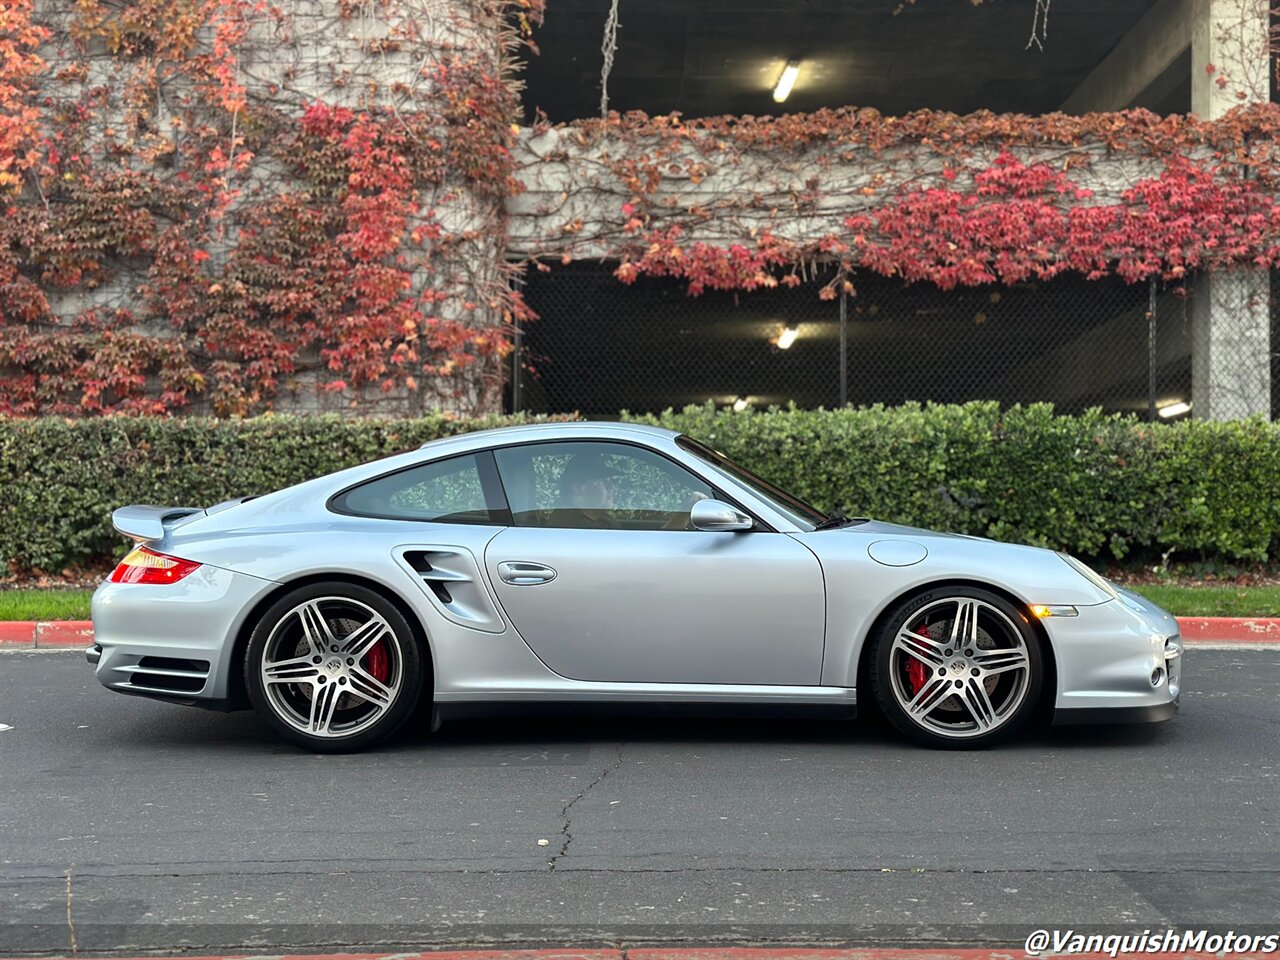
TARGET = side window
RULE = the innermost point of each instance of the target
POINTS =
(447, 491)
(597, 485)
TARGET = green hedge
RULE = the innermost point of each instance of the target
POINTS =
(1100, 486)
(60, 479)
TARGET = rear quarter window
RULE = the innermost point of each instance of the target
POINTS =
(445, 491)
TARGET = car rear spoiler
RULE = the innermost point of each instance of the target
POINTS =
(142, 521)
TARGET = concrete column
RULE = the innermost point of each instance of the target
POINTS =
(1231, 313)
(1231, 345)
(1232, 36)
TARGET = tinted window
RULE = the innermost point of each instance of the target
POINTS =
(597, 485)
(447, 491)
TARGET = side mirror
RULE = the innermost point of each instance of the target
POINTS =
(716, 516)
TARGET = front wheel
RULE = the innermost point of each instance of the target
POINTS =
(333, 667)
(958, 667)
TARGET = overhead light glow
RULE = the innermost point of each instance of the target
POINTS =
(741, 404)
(787, 337)
(1175, 409)
(782, 89)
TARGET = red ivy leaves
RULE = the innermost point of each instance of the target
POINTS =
(1210, 205)
(1023, 221)
(734, 267)
(19, 116)
(343, 267)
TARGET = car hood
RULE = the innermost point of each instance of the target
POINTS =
(884, 528)
(1035, 574)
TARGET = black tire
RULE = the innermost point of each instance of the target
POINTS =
(980, 674)
(366, 708)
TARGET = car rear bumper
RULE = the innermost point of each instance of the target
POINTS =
(176, 641)
(1117, 662)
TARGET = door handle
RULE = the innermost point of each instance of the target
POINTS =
(521, 573)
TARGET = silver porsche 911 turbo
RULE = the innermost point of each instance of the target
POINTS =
(606, 564)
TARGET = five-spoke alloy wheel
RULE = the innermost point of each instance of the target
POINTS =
(957, 667)
(333, 667)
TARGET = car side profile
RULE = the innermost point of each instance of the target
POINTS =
(606, 563)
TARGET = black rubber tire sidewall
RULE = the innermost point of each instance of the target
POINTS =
(881, 664)
(411, 656)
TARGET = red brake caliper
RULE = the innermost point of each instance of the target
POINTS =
(917, 672)
(379, 662)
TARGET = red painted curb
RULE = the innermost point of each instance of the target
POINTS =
(1196, 631)
(18, 633)
(1230, 629)
(59, 634)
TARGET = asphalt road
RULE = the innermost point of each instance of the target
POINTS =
(128, 824)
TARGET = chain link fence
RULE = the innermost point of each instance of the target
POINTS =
(600, 347)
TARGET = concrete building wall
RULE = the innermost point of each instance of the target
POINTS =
(803, 194)
(309, 52)
(313, 53)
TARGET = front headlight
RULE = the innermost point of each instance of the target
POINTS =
(1099, 581)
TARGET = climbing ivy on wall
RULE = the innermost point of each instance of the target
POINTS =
(207, 203)
(181, 225)
(952, 200)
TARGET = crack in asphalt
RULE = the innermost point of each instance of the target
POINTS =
(565, 834)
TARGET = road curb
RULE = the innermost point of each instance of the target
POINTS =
(17, 633)
(1230, 629)
(1196, 631)
(45, 634)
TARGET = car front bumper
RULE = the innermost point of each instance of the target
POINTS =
(175, 641)
(1117, 662)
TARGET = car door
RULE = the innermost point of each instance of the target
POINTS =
(604, 577)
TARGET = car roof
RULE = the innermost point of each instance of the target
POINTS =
(525, 432)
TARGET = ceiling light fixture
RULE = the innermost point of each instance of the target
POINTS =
(782, 89)
(1175, 409)
(787, 337)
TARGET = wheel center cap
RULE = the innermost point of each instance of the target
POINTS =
(334, 666)
(959, 667)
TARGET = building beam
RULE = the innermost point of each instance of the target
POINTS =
(1144, 53)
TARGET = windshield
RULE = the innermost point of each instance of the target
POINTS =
(794, 509)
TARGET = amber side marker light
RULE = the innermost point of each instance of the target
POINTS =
(1043, 610)
(146, 566)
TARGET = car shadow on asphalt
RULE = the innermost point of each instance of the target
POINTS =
(245, 733)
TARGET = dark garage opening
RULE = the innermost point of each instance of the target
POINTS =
(601, 346)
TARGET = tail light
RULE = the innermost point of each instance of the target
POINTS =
(147, 566)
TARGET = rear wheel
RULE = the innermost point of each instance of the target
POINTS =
(958, 667)
(333, 667)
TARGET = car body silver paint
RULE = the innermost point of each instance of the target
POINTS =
(667, 606)
(897, 553)
(251, 548)
(195, 618)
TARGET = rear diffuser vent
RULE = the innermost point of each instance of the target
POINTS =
(170, 674)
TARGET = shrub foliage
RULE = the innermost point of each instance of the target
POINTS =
(1103, 486)
(60, 478)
